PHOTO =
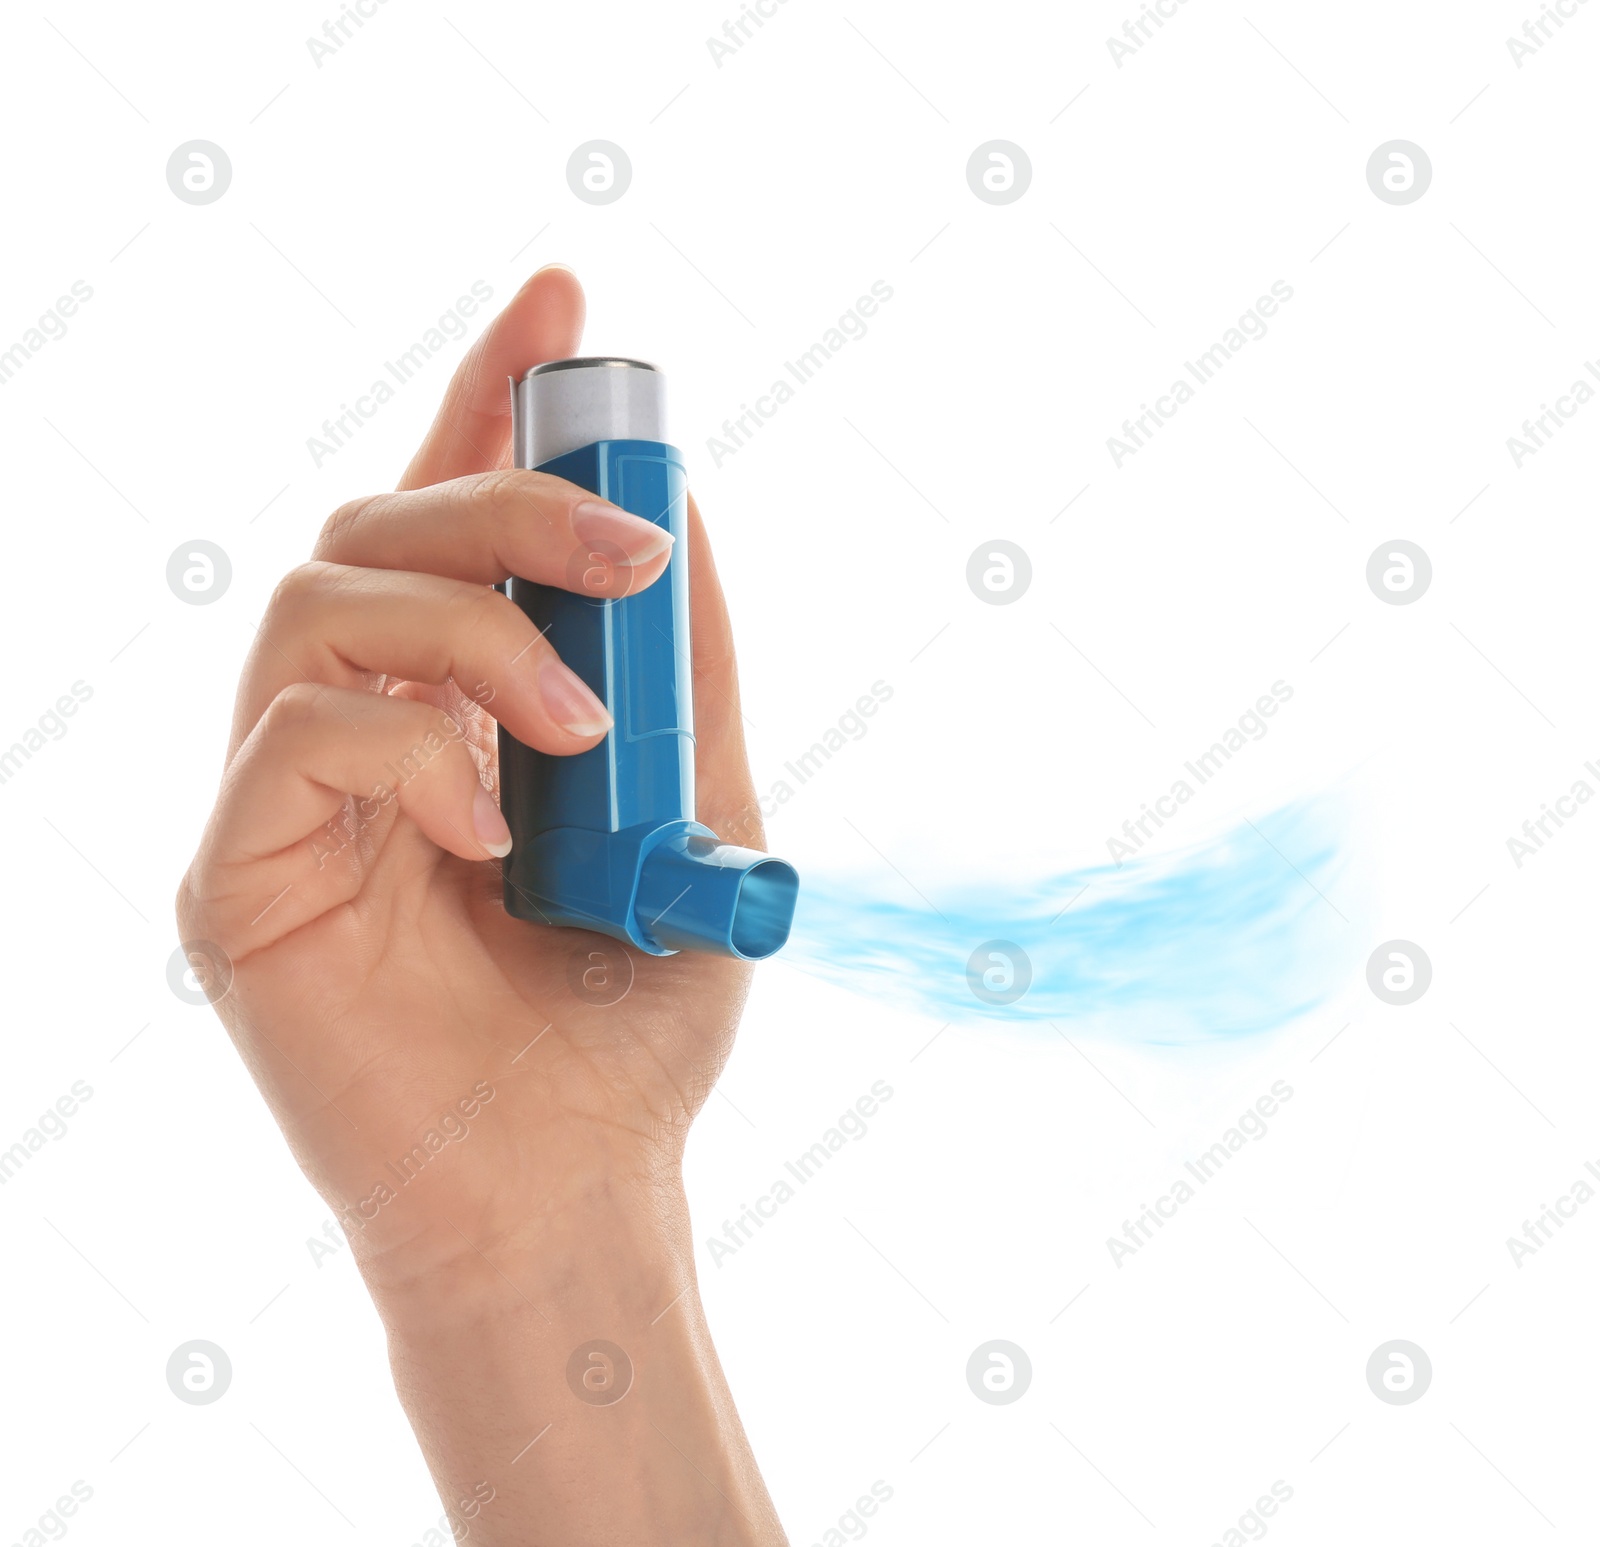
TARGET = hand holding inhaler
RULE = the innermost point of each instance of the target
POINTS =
(495, 1111)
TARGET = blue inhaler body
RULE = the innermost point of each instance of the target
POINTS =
(607, 840)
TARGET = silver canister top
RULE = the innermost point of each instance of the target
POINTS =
(564, 404)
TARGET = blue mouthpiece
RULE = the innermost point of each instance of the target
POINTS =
(607, 840)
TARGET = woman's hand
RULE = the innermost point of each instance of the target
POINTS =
(499, 1134)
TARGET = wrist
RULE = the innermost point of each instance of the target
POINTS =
(577, 1345)
(616, 1231)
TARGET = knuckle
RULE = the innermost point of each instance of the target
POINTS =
(337, 528)
(200, 917)
(487, 621)
(299, 588)
(296, 706)
(513, 499)
(524, 516)
(185, 905)
(502, 496)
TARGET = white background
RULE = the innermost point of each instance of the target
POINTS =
(768, 194)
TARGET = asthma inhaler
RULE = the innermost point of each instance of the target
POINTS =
(607, 840)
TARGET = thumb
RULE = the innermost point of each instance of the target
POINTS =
(472, 431)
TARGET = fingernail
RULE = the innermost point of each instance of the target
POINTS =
(569, 702)
(594, 521)
(489, 825)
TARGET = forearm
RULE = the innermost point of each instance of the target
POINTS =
(534, 1435)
